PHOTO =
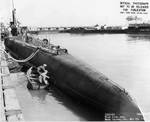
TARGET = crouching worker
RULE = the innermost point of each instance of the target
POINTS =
(37, 78)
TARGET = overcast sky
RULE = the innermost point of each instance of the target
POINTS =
(65, 12)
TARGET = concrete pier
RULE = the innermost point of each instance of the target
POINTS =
(10, 110)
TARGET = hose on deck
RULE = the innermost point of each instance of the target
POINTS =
(23, 60)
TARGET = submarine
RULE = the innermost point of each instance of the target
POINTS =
(73, 76)
(76, 78)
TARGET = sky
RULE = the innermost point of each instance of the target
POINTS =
(65, 12)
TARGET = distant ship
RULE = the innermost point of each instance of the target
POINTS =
(138, 28)
(94, 29)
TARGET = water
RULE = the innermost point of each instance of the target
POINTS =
(51, 105)
(123, 58)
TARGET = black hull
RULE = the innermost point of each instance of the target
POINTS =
(123, 31)
(94, 31)
(78, 79)
(33, 32)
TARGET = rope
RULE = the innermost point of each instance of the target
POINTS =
(24, 60)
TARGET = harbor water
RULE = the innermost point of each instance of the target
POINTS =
(124, 58)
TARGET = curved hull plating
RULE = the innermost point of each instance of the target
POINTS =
(77, 78)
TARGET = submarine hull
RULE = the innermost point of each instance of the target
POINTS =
(77, 78)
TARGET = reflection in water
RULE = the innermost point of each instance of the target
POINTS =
(138, 37)
(80, 110)
(40, 95)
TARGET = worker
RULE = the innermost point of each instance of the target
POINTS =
(43, 74)
(45, 43)
(37, 77)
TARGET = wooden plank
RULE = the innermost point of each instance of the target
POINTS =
(5, 70)
(11, 101)
(4, 63)
(15, 118)
(12, 112)
(3, 66)
(0, 57)
(12, 107)
(2, 110)
(3, 56)
(11, 81)
(6, 81)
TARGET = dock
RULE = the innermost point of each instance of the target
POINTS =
(10, 109)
